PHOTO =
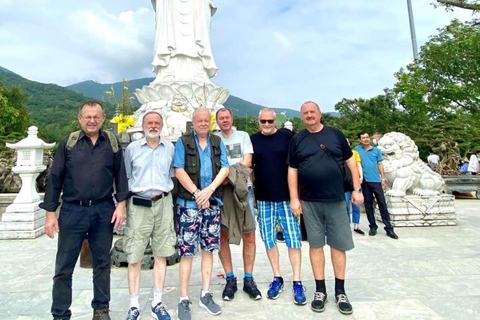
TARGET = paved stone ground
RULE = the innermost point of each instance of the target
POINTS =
(429, 273)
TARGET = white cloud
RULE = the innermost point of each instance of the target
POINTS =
(274, 52)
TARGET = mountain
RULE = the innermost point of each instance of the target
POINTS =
(52, 108)
(240, 107)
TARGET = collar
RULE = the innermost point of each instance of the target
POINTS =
(82, 135)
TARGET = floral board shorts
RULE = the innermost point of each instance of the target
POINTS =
(198, 227)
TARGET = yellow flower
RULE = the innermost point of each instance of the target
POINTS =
(123, 122)
(212, 121)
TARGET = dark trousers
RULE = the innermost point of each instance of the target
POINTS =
(75, 224)
(371, 189)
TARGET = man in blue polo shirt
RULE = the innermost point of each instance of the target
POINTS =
(373, 184)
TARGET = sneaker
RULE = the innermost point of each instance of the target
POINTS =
(319, 301)
(160, 312)
(275, 288)
(250, 287)
(343, 304)
(299, 294)
(208, 304)
(230, 289)
(101, 314)
(133, 314)
(183, 310)
(359, 231)
(280, 237)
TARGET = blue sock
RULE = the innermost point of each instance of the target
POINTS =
(230, 275)
(248, 275)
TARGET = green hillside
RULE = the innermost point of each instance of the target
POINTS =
(53, 108)
(240, 107)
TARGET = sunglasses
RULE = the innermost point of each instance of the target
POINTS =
(270, 121)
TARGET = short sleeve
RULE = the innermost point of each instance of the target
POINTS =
(179, 157)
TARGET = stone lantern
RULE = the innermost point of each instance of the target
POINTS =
(24, 219)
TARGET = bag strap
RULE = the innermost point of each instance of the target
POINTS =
(324, 148)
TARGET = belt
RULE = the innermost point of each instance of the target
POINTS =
(88, 203)
(158, 197)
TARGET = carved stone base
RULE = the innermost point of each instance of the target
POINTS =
(420, 211)
(22, 221)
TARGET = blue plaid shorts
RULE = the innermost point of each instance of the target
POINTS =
(269, 213)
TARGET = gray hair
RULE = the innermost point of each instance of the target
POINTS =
(267, 109)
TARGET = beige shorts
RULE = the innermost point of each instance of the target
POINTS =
(154, 223)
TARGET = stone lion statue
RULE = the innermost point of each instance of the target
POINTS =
(405, 172)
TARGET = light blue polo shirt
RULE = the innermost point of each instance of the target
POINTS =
(370, 159)
(205, 166)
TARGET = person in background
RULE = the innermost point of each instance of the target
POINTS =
(355, 209)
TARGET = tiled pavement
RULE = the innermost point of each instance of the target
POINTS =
(429, 273)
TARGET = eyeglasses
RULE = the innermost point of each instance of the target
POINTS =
(88, 119)
(270, 121)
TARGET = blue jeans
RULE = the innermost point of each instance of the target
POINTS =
(77, 223)
(355, 217)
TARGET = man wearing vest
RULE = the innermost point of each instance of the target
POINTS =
(86, 166)
(239, 151)
(201, 166)
(148, 163)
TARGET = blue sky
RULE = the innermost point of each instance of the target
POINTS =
(275, 53)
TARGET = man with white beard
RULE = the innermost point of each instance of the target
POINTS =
(148, 163)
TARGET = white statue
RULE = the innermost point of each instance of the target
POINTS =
(182, 43)
(184, 64)
(404, 170)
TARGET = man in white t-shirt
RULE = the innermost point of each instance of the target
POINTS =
(473, 165)
(433, 160)
(239, 150)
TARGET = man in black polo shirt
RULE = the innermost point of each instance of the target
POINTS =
(315, 181)
(86, 173)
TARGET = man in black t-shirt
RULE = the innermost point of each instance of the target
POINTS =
(270, 151)
(315, 180)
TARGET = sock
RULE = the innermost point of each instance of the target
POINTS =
(230, 275)
(157, 296)
(297, 283)
(203, 292)
(320, 286)
(183, 298)
(339, 286)
(280, 279)
(248, 275)
(134, 301)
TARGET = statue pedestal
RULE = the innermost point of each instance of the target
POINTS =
(420, 211)
(22, 221)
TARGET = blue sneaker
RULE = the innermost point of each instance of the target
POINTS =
(275, 288)
(299, 293)
(133, 314)
(160, 312)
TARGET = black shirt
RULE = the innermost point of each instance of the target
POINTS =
(270, 165)
(86, 172)
(319, 176)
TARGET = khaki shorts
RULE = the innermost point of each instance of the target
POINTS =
(155, 224)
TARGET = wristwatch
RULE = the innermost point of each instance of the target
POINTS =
(197, 191)
(358, 190)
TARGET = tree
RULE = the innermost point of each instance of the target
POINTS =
(446, 77)
(14, 116)
(378, 114)
(440, 92)
(473, 5)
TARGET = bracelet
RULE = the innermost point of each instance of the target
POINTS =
(212, 188)
(197, 191)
